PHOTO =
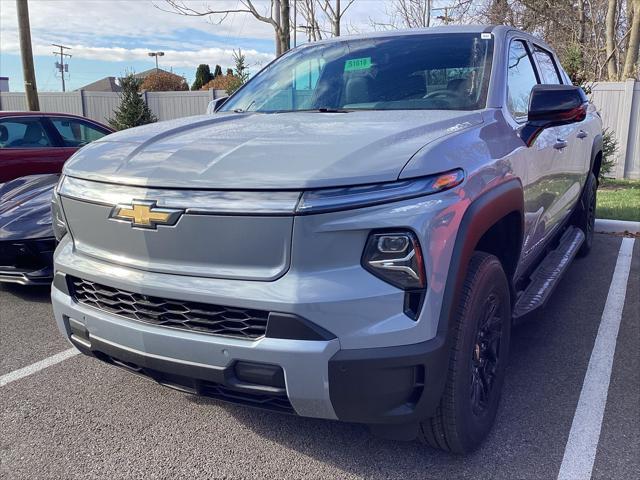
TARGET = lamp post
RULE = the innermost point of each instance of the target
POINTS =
(156, 54)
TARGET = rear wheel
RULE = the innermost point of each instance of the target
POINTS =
(478, 359)
(585, 214)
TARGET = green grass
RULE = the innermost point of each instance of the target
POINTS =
(619, 200)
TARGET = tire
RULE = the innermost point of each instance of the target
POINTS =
(585, 214)
(465, 416)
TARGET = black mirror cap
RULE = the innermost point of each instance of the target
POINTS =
(553, 105)
(219, 102)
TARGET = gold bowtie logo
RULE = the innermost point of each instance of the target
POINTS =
(145, 214)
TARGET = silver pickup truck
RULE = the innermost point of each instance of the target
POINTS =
(351, 235)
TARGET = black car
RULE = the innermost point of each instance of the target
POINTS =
(26, 236)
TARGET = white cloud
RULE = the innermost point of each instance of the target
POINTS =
(125, 30)
(94, 29)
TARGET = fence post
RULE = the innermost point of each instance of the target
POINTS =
(627, 102)
(82, 109)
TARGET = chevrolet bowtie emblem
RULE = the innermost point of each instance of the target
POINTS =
(145, 214)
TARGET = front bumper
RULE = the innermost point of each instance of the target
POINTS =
(378, 386)
(378, 366)
(27, 262)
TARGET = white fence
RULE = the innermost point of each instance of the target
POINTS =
(618, 102)
(100, 105)
(619, 105)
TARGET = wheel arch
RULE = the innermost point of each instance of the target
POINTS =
(596, 156)
(485, 221)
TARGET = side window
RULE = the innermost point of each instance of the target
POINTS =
(23, 133)
(521, 78)
(76, 133)
(548, 70)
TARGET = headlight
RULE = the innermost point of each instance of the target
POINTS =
(58, 222)
(395, 257)
(334, 199)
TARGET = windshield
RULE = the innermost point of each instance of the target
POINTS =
(418, 72)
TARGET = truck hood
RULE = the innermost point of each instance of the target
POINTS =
(294, 150)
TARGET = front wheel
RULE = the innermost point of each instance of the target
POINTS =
(477, 362)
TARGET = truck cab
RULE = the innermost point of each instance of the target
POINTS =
(350, 236)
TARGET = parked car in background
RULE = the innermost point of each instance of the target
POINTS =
(37, 143)
(26, 237)
(33, 149)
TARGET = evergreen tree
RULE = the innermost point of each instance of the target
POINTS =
(240, 73)
(133, 111)
(217, 72)
(203, 76)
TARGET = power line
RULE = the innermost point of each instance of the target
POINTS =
(62, 68)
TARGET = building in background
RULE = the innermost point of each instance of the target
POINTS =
(106, 84)
(112, 84)
(4, 84)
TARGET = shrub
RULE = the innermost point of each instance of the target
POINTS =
(609, 149)
(221, 82)
(164, 82)
(133, 110)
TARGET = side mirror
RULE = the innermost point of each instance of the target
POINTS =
(553, 105)
(214, 105)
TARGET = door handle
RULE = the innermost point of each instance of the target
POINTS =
(582, 134)
(560, 144)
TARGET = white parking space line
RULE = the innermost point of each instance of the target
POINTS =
(36, 367)
(580, 452)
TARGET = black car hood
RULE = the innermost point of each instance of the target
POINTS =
(25, 207)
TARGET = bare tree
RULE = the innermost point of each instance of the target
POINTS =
(334, 12)
(498, 12)
(420, 14)
(612, 66)
(631, 60)
(312, 28)
(277, 15)
(413, 13)
(590, 36)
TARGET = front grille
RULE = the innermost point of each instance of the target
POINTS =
(193, 316)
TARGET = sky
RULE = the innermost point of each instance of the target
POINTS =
(112, 37)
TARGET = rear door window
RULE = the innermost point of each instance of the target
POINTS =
(547, 66)
(23, 133)
(76, 133)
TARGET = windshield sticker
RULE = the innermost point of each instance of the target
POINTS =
(357, 64)
(485, 36)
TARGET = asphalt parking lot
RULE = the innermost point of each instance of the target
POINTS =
(82, 419)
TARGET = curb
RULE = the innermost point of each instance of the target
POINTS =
(617, 226)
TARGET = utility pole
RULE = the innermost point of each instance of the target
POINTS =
(62, 68)
(446, 19)
(26, 52)
(156, 54)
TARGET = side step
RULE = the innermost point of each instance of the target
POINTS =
(545, 278)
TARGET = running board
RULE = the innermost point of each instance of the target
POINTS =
(546, 277)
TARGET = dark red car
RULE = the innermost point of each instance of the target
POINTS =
(35, 142)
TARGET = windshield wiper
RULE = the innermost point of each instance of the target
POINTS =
(331, 110)
(321, 110)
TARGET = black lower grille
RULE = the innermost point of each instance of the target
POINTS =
(205, 388)
(194, 316)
